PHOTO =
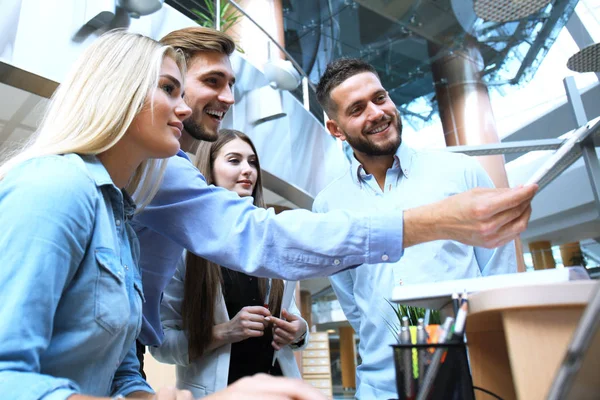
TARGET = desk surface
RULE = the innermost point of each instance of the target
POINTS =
(518, 335)
(575, 293)
(436, 295)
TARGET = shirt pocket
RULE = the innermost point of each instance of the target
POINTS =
(112, 309)
(453, 260)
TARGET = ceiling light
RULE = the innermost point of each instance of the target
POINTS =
(282, 74)
(586, 59)
(138, 8)
(264, 104)
(507, 10)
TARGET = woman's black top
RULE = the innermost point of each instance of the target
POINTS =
(252, 355)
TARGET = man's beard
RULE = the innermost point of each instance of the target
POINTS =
(197, 130)
(364, 145)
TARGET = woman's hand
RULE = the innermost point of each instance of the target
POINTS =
(287, 330)
(248, 322)
(171, 393)
(266, 387)
(166, 393)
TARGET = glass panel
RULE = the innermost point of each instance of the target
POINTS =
(403, 38)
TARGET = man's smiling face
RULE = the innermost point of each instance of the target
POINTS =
(209, 93)
(365, 116)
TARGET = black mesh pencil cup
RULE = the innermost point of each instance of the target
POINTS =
(433, 372)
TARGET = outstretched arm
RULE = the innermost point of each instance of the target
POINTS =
(480, 217)
(298, 244)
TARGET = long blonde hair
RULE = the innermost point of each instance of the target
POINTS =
(98, 100)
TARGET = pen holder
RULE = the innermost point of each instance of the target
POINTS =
(433, 372)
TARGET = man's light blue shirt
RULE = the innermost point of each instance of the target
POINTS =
(69, 286)
(216, 224)
(416, 178)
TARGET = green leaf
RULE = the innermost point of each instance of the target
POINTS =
(210, 6)
(202, 18)
(224, 10)
(199, 13)
(227, 18)
(413, 314)
(205, 17)
(226, 26)
(394, 330)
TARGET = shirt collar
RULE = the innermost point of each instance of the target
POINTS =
(405, 155)
(402, 158)
(182, 154)
(95, 169)
(101, 177)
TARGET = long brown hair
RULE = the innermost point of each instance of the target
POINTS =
(203, 279)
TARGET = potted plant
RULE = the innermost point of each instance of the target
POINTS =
(413, 314)
(227, 17)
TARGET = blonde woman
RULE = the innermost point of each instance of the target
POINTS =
(70, 288)
(221, 325)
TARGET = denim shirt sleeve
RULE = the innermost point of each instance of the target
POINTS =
(128, 378)
(216, 224)
(46, 215)
(501, 260)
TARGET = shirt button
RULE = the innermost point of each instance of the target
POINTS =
(385, 257)
(126, 267)
(118, 222)
(336, 262)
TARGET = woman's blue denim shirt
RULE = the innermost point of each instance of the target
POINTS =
(70, 289)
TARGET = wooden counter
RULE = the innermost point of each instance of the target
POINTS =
(517, 336)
